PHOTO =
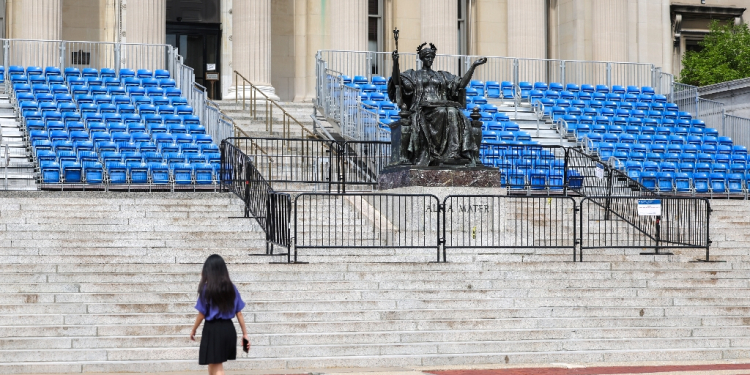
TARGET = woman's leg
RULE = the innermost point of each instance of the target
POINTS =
(216, 369)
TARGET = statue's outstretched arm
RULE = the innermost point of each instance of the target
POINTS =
(467, 77)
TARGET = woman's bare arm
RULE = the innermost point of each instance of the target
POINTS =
(241, 319)
(198, 320)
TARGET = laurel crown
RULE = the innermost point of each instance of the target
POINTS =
(421, 46)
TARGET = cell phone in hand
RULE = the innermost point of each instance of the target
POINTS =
(245, 345)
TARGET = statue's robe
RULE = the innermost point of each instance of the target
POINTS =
(441, 133)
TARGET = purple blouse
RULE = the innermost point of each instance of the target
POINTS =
(212, 312)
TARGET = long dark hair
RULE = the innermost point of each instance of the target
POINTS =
(216, 287)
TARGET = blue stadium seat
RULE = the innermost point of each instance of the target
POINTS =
(50, 172)
(159, 172)
(183, 173)
(144, 73)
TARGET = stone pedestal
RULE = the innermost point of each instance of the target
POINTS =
(407, 176)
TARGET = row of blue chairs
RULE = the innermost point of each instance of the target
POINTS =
(104, 146)
(639, 157)
(133, 173)
(87, 72)
(659, 116)
(634, 167)
(638, 122)
(499, 161)
(659, 139)
(77, 82)
(119, 136)
(97, 122)
(116, 126)
(101, 108)
(23, 88)
(81, 156)
(118, 103)
(507, 88)
(606, 150)
(633, 131)
(538, 95)
(693, 138)
(538, 179)
(695, 183)
(492, 135)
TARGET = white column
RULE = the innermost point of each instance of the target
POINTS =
(527, 29)
(348, 24)
(610, 30)
(304, 65)
(146, 21)
(251, 43)
(440, 27)
(35, 19)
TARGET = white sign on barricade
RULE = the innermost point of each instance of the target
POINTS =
(649, 207)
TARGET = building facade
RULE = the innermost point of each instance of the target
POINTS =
(273, 42)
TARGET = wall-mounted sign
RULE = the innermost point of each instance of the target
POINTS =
(210, 67)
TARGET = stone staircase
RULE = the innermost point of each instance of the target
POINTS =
(105, 282)
(255, 126)
(17, 172)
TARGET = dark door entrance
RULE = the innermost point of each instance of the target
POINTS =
(200, 47)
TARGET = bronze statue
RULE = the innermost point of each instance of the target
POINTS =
(432, 131)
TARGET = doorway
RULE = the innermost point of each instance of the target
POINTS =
(200, 47)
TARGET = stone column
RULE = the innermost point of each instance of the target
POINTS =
(610, 30)
(304, 65)
(440, 27)
(348, 25)
(34, 19)
(146, 21)
(527, 32)
(251, 44)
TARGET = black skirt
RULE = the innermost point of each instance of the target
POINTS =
(218, 342)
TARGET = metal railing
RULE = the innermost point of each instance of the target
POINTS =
(615, 222)
(362, 221)
(401, 221)
(517, 222)
(344, 107)
(594, 177)
(270, 209)
(269, 106)
(498, 68)
(316, 164)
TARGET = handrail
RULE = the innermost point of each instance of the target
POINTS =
(287, 119)
(538, 108)
(234, 125)
(562, 128)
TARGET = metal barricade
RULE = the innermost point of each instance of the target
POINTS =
(711, 112)
(738, 128)
(305, 164)
(615, 222)
(366, 221)
(492, 222)
(278, 219)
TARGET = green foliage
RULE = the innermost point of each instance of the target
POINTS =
(725, 56)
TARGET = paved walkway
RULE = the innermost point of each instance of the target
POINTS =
(660, 368)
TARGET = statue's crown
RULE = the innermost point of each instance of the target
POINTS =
(421, 48)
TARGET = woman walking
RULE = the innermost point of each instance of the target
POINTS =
(218, 302)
